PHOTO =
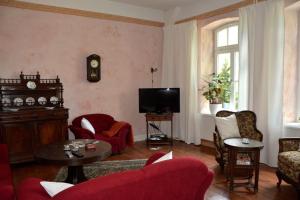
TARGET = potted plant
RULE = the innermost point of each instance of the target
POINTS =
(218, 89)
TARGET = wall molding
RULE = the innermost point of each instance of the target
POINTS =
(77, 12)
(219, 11)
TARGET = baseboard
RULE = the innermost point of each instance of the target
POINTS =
(207, 143)
(138, 138)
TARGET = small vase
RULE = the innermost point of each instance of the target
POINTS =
(214, 108)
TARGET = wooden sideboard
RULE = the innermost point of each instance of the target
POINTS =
(31, 115)
(26, 130)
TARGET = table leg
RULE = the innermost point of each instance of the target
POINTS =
(257, 155)
(75, 175)
(172, 132)
(147, 127)
(231, 164)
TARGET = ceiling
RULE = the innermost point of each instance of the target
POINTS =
(159, 4)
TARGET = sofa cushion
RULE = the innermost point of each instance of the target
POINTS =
(87, 125)
(114, 129)
(227, 127)
(168, 156)
(289, 164)
(53, 188)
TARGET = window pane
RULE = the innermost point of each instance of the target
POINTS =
(233, 35)
(222, 38)
(236, 66)
(223, 60)
(236, 80)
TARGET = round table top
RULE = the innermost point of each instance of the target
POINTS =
(55, 152)
(237, 143)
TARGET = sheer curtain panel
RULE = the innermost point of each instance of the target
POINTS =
(261, 70)
(179, 69)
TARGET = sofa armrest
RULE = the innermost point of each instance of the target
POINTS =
(259, 135)
(289, 144)
(81, 133)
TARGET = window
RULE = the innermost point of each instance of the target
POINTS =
(227, 55)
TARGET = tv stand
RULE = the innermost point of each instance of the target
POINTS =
(150, 117)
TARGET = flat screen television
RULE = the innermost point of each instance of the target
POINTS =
(159, 100)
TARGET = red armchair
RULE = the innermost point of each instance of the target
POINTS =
(6, 185)
(102, 123)
(181, 178)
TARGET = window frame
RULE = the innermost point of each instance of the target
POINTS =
(232, 49)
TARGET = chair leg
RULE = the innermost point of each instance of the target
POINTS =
(278, 173)
(221, 163)
(222, 166)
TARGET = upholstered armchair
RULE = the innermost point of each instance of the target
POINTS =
(246, 121)
(289, 162)
(103, 124)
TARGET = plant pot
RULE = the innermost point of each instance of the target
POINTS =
(214, 108)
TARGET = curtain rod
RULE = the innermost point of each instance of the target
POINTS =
(220, 11)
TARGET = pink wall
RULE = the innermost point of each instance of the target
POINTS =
(57, 44)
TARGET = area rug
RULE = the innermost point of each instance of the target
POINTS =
(104, 168)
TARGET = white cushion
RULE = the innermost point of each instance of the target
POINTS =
(227, 127)
(168, 156)
(53, 188)
(87, 125)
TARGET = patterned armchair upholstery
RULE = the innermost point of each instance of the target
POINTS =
(289, 162)
(247, 127)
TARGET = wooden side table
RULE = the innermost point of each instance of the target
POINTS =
(159, 117)
(243, 156)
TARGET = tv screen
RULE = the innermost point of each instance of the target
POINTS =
(159, 100)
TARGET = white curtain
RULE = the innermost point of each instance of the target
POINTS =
(179, 69)
(261, 34)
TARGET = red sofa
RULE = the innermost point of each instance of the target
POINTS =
(6, 185)
(181, 179)
(103, 122)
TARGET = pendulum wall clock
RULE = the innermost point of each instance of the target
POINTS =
(93, 68)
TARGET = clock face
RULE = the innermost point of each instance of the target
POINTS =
(94, 63)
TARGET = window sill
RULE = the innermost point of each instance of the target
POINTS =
(208, 114)
(294, 125)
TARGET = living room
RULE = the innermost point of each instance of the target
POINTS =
(101, 57)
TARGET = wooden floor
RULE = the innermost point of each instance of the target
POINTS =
(218, 190)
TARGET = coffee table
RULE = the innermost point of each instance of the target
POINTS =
(54, 153)
(238, 153)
